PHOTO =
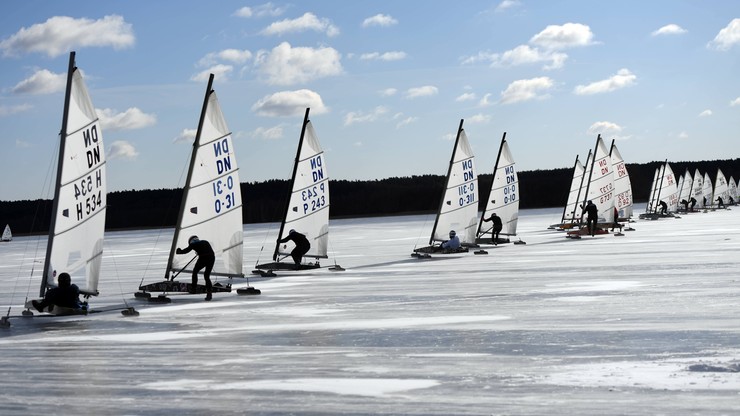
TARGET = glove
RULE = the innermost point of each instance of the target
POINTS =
(178, 251)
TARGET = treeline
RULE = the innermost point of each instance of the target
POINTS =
(265, 201)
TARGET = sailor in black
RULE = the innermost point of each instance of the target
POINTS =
(206, 259)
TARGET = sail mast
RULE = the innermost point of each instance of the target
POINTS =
(493, 179)
(580, 188)
(565, 208)
(292, 180)
(660, 187)
(591, 172)
(196, 144)
(62, 141)
(449, 170)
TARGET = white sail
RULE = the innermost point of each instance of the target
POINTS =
(572, 212)
(721, 189)
(308, 208)
(669, 189)
(622, 185)
(601, 182)
(78, 219)
(684, 187)
(504, 196)
(707, 191)
(211, 206)
(7, 235)
(458, 209)
(697, 187)
(732, 192)
(652, 203)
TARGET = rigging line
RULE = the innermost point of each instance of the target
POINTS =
(45, 190)
(160, 230)
(115, 270)
(270, 227)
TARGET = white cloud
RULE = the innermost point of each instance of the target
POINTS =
(569, 35)
(271, 133)
(526, 89)
(735, 102)
(61, 34)
(186, 136)
(385, 56)
(507, 4)
(379, 20)
(727, 37)
(285, 65)
(9, 110)
(524, 54)
(359, 117)
(406, 121)
(520, 55)
(221, 72)
(235, 56)
(705, 113)
(131, 119)
(683, 135)
(485, 101)
(289, 104)
(604, 127)
(467, 96)
(388, 92)
(308, 21)
(20, 144)
(121, 149)
(42, 81)
(267, 9)
(479, 118)
(425, 91)
(671, 29)
(623, 78)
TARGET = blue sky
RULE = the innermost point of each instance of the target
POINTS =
(387, 82)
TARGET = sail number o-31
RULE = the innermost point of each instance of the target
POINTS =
(221, 187)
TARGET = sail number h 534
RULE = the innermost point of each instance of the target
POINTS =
(88, 194)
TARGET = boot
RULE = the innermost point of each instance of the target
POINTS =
(208, 296)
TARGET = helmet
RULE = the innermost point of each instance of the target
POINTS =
(291, 231)
(452, 233)
(64, 279)
(192, 239)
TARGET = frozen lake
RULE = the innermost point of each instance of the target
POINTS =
(642, 324)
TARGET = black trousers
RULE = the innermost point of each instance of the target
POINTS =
(206, 262)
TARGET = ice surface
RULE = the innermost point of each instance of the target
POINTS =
(646, 323)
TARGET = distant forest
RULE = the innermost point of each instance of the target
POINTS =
(265, 201)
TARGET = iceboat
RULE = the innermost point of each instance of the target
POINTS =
(623, 203)
(211, 208)
(458, 208)
(571, 218)
(663, 189)
(77, 227)
(307, 208)
(503, 199)
(599, 190)
(7, 234)
(721, 190)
